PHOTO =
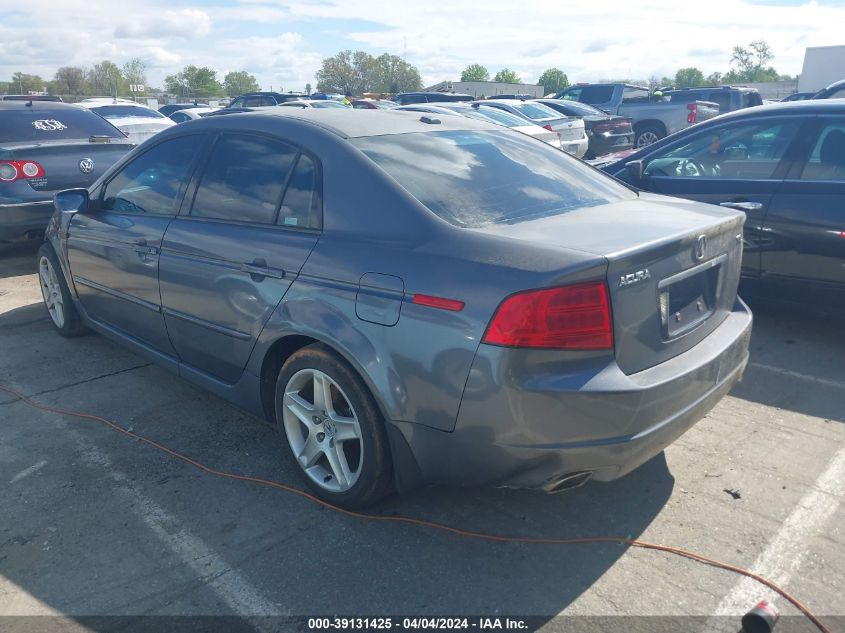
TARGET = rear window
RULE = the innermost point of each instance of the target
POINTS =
(536, 111)
(44, 124)
(119, 111)
(494, 115)
(471, 178)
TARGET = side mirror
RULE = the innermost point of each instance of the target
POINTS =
(72, 201)
(635, 170)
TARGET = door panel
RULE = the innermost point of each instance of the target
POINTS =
(713, 191)
(220, 283)
(805, 230)
(113, 250)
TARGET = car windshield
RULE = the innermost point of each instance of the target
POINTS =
(45, 124)
(122, 111)
(536, 111)
(474, 178)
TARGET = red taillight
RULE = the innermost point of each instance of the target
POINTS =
(569, 317)
(438, 302)
(12, 170)
(693, 112)
(548, 127)
(602, 127)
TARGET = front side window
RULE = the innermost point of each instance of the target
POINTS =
(745, 150)
(244, 179)
(155, 181)
(474, 178)
(827, 160)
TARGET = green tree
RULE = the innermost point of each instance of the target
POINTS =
(347, 73)
(69, 80)
(22, 83)
(238, 82)
(392, 74)
(751, 63)
(475, 72)
(135, 71)
(714, 79)
(105, 79)
(507, 76)
(689, 78)
(553, 80)
(194, 82)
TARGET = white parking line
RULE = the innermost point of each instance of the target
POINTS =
(786, 551)
(794, 374)
(244, 599)
(26, 472)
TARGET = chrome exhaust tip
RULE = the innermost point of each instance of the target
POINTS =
(567, 481)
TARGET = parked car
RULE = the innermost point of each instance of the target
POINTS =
(729, 98)
(407, 98)
(833, 91)
(475, 110)
(653, 117)
(373, 104)
(606, 132)
(799, 96)
(314, 103)
(783, 165)
(189, 114)
(54, 98)
(570, 130)
(136, 121)
(254, 99)
(170, 108)
(489, 315)
(45, 147)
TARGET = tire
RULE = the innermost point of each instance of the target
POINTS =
(647, 134)
(312, 431)
(56, 294)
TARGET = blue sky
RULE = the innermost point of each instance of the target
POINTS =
(283, 41)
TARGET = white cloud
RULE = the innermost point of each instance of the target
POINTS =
(187, 23)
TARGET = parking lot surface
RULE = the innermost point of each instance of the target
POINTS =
(96, 523)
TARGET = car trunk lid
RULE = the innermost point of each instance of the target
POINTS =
(673, 269)
(66, 163)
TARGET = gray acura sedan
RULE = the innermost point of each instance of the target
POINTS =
(410, 299)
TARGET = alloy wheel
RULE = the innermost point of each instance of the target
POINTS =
(51, 291)
(322, 429)
(647, 138)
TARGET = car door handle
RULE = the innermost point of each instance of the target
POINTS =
(743, 206)
(260, 269)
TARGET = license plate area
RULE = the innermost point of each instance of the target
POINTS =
(687, 300)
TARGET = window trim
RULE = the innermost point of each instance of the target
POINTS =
(782, 169)
(183, 189)
(189, 198)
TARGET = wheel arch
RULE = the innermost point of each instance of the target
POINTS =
(653, 123)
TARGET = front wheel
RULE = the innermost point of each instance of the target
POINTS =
(334, 429)
(56, 294)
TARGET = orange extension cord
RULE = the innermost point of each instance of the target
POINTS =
(422, 522)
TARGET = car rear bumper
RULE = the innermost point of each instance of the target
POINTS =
(600, 144)
(526, 422)
(24, 220)
(577, 148)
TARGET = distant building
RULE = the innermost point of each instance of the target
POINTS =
(822, 66)
(486, 88)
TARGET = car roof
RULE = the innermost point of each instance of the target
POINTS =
(812, 106)
(350, 123)
(35, 105)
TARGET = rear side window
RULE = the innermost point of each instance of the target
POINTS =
(827, 160)
(155, 181)
(42, 124)
(596, 94)
(632, 94)
(301, 204)
(244, 179)
(723, 98)
(475, 178)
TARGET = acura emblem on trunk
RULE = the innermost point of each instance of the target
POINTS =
(633, 278)
(86, 165)
(700, 247)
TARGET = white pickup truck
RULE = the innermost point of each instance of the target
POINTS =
(653, 116)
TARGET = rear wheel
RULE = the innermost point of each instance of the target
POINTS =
(56, 294)
(335, 431)
(648, 134)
